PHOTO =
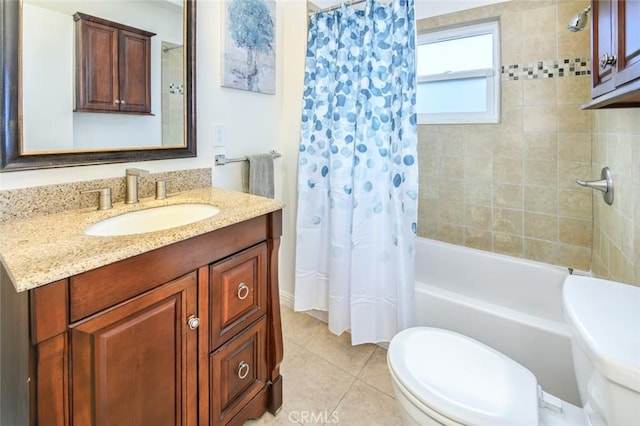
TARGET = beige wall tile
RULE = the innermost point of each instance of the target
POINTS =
(541, 20)
(541, 200)
(569, 171)
(574, 90)
(452, 190)
(479, 144)
(573, 119)
(539, 91)
(575, 257)
(539, 46)
(451, 212)
(542, 146)
(511, 119)
(478, 238)
(453, 234)
(511, 91)
(575, 203)
(478, 217)
(508, 196)
(479, 168)
(542, 251)
(508, 145)
(512, 51)
(540, 118)
(514, 181)
(507, 221)
(508, 170)
(452, 140)
(540, 173)
(451, 167)
(574, 146)
(541, 226)
(511, 25)
(509, 244)
(478, 192)
(575, 231)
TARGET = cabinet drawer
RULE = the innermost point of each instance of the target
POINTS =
(98, 289)
(238, 372)
(238, 293)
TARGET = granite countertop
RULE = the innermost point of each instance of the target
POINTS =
(45, 249)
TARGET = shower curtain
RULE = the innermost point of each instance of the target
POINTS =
(358, 171)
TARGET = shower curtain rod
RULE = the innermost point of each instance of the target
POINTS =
(337, 6)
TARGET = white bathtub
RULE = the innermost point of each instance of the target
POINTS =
(511, 304)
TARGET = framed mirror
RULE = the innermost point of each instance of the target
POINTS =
(41, 125)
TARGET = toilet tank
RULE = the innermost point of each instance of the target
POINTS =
(604, 317)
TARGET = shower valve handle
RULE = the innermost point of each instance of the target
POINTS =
(600, 185)
(605, 184)
(607, 60)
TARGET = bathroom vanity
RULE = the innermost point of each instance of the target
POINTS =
(175, 327)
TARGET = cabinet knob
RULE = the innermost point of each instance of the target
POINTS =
(193, 322)
(243, 291)
(607, 60)
(122, 102)
(243, 370)
(117, 101)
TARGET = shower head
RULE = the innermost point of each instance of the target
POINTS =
(579, 21)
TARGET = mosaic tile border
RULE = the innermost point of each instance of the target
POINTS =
(175, 88)
(571, 67)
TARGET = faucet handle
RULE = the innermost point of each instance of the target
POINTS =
(104, 199)
(137, 172)
(161, 188)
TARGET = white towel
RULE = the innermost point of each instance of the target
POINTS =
(257, 175)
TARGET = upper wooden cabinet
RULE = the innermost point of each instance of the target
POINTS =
(113, 66)
(615, 54)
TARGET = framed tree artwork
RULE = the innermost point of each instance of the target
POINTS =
(248, 61)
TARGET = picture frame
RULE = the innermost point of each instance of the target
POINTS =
(248, 53)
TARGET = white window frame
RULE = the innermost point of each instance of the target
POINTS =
(492, 114)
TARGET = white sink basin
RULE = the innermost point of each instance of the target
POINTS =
(150, 220)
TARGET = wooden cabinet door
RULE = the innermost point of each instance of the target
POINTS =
(628, 41)
(602, 43)
(136, 364)
(96, 67)
(135, 72)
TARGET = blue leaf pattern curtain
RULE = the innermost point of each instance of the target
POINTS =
(358, 171)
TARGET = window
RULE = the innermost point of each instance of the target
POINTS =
(458, 78)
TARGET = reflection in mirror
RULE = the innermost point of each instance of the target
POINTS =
(49, 60)
(39, 126)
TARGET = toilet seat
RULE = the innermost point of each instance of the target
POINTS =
(463, 379)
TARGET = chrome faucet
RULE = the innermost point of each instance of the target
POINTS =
(132, 176)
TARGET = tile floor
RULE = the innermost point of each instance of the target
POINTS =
(328, 381)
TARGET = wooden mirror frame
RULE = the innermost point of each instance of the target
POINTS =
(11, 157)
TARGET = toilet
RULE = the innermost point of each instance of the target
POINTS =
(441, 377)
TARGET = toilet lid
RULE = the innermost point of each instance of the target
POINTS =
(463, 379)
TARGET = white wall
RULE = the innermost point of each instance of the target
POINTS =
(47, 114)
(293, 55)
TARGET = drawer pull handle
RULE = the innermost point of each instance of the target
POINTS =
(243, 369)
(193, 322)
(243, 291)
